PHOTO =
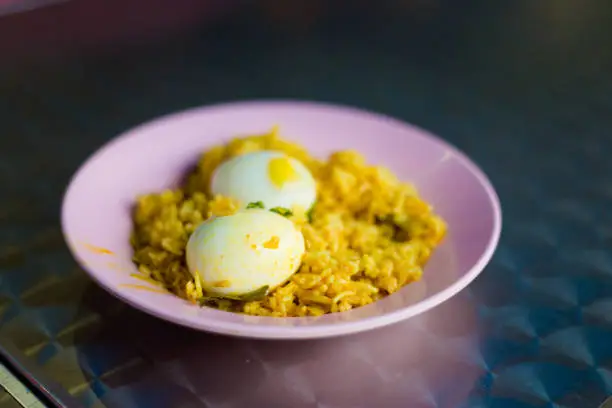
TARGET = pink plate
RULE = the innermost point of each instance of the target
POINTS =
(96, 209)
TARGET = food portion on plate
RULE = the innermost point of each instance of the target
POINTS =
(269, 177)
(244, 254)
(261, 227)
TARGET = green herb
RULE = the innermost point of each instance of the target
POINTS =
(285, 212)
(255, 204)
(398, 234)
(257, 294)
(209, 301)
(309, 213)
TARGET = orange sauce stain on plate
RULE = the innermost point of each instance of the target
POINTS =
(114, 266)
(99, 250)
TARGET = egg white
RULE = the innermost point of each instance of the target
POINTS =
(241, 253)
(246, 178)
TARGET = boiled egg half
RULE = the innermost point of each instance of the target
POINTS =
(269, 177)
(247, 253)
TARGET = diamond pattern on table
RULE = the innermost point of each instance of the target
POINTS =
(605, 375)
(7, 401)
(517, 326)
(555, 292)
(568, 346)
(599, 312)
(5, 305)
(27, 333)
(65, 368)
(521, 383)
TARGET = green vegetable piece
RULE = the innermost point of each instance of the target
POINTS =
(309, 213)
(257, 294)
(285, 212)
(255, 204)
(207, 301)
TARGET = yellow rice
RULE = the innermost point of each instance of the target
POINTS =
(369, 233)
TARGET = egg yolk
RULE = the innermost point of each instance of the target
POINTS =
(281, 171)
(272, 243)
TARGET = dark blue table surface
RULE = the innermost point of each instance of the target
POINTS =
(524, 87)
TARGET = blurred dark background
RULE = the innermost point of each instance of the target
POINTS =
(522, 86)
